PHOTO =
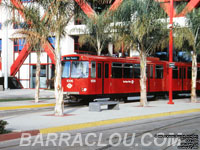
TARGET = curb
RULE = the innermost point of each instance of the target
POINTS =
(17, 135)
(113, 121)
(27, 106)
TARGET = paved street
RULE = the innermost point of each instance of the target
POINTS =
(130, 127)
(137, 135)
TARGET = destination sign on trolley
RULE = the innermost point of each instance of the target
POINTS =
(70, 58)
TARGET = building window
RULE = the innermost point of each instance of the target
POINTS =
(26, 1)
(52, 40)
(18, 44)
(21, 25)
(159, 71)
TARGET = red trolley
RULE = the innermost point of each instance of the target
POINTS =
(86, 77)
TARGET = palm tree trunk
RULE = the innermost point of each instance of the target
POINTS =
(59, 107)
(194, 77)
(37, 81)
(143, 78)
(98, 46)
(99, 53)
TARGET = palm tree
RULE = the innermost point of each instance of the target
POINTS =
(194, 26)
(191, 34)
(98, 31)
(145, 31)
(58, 13)
(35, 34)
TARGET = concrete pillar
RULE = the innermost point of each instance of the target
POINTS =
(5, 56)
(7, 53)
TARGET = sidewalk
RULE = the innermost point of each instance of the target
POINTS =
(25, 93)
(24, 98)
(81, 117)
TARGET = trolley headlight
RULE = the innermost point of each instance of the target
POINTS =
(83, 89)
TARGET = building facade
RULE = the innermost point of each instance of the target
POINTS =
(16, 60)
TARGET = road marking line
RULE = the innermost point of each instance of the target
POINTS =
(113, 121)
(26, 106)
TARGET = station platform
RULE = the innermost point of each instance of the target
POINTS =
(24, 94)
(75, 118)
(24, 99)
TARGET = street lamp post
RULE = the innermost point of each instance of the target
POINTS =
(171, 51)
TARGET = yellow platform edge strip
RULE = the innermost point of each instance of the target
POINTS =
(113, 121)
(26, 106)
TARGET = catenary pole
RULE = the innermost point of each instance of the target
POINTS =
(171, 51)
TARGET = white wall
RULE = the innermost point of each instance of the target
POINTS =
(67, 45)
(43, 57)
(133, 53)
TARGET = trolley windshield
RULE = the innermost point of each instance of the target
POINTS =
(66, 69)
(75, 69)
(80, 69)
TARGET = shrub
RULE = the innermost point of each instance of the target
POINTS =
(2, 126)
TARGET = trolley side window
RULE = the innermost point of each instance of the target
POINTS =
(116, 70)
(151, 71)
(136, 70)
(66, 69)
(128, 71)
(198, 73)
(189, 73)
(80, 69)
(99, 70)
(106, 70)
(184, 73)
(93, 69)
(175, 72)
(159, 71)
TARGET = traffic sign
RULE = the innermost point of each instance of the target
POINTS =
(171, 65)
